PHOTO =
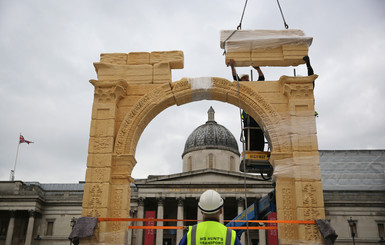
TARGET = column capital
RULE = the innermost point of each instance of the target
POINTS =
(298, 87)
(132, 212)
(140, 201)
(160, 200)
(32, 213)
(240, 201)
(109, 91)
(180, 201)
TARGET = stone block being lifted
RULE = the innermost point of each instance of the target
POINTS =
(265, 47)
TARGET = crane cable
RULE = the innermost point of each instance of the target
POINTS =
(239, 27)
(242, 139)
(283, 18)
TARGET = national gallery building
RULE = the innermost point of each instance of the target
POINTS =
(353, 190)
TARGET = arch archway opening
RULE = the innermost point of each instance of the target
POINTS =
(165, 136)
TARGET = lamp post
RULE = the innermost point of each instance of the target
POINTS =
(72, 224)
(37, 239)
(352, 225)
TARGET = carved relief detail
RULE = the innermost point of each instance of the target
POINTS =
(309, 195)
(102, 145)
(298, 91)
(222, 83)
(109, 92)
(117, 200)
(288, 229)
(116, 228)
(96, 193)
(180, 85)
(93, 213)
(267, 113)
(104, 95)
(94, 201)
(311, 231)
(99, 174)
(154, 96)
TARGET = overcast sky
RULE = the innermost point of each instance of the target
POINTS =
(47, 50)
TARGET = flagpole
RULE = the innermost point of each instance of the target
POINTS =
(14, 167)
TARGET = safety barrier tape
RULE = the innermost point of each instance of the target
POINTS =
(186, 227)
(190, 220)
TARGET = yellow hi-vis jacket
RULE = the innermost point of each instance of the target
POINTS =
(210, 233)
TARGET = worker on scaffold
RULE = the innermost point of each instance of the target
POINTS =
(210, 231)
(256, 142)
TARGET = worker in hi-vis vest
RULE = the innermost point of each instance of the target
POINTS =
(210, 231)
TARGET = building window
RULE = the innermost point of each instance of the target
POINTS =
(232, 163)
(381, 231)
(189, 164)
(49, 227)
(211, 160)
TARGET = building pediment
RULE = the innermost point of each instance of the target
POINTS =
(202, 177)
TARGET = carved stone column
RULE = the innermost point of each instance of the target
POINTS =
(11, 226)
(101, 198)
(298, 176)
(199, 214)
(160, 215)
(31, 221)
(221, 217)
(124, 85)
(179, 233)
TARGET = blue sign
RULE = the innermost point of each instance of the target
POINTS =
(249, 214)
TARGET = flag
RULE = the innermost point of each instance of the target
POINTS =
(22, 140)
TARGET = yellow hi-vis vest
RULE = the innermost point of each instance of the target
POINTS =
(210, 233)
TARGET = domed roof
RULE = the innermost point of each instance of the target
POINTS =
(211, 135)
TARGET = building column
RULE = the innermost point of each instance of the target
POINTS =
(221, 217)
(11, 226)
(241, 208)
(129, 232)
(262, 236)
(31, 221)
(139, 232)
(199, 215)
(179, 233)
(160, 215)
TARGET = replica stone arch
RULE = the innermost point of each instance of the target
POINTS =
(133, 88)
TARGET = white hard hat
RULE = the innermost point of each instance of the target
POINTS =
(210, 202)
